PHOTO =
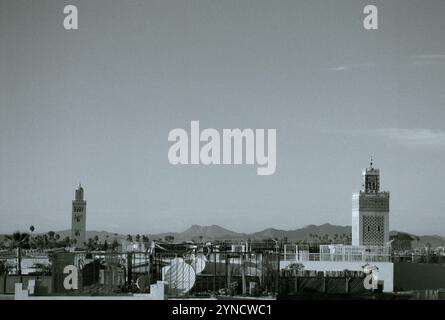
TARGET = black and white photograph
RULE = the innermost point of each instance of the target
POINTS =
(222, 155)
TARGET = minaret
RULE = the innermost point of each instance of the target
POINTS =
(78, 222)
(370, 211)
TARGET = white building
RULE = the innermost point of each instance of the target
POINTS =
(370, 248)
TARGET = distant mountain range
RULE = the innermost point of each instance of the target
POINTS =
(215, 232)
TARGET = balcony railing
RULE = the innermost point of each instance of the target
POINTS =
(366, 257)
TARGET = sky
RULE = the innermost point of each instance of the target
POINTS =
(95, 106)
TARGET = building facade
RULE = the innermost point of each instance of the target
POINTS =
(370, 211)
(78, 222)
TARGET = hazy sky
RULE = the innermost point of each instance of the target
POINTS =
(96, 105)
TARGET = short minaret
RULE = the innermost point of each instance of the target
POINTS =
(370, 211)
(78, 224)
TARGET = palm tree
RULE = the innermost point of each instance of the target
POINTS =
(45, 241)
(105, 245)
(19, 240)
(114, 244)
(90, 244)
(67, 241)
(31, 228)
(51, 235)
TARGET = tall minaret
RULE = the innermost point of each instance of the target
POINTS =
(370, 211)
(78, 224)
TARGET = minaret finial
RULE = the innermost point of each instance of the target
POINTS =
(371, 162)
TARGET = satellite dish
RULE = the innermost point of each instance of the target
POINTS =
(142, 282)
(199, 264)
(180, 277)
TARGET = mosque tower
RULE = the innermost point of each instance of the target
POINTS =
(370, 211)
(78, 222)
